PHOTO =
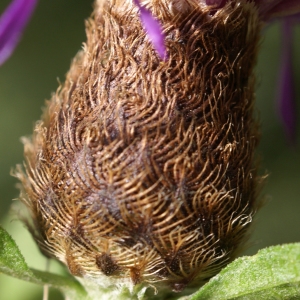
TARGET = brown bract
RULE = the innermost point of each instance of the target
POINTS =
(143, 169)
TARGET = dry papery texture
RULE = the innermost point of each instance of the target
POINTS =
(142, 170)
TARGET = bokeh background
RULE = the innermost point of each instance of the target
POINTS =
(53, 37)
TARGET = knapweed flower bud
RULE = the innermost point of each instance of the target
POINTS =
(142, 170)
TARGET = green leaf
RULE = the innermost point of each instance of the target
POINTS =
(273, 273)
(13, 263)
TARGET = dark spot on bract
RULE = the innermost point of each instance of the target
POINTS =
(106, 264)
(172, 261)
(135, 275)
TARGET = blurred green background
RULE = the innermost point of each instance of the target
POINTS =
(51, 40)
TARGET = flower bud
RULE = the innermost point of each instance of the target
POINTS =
(143, 170)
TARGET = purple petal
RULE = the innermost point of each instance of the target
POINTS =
(12, 23)
(154, 30)
(286, 104)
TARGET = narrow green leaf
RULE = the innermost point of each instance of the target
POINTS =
(13, 263)
(273, 273)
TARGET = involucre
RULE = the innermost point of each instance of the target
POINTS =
(142, 170)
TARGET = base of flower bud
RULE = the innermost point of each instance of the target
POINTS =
(106, 288)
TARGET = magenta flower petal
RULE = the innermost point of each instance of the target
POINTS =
(153, 29)
(12, 24)
(286, 105)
